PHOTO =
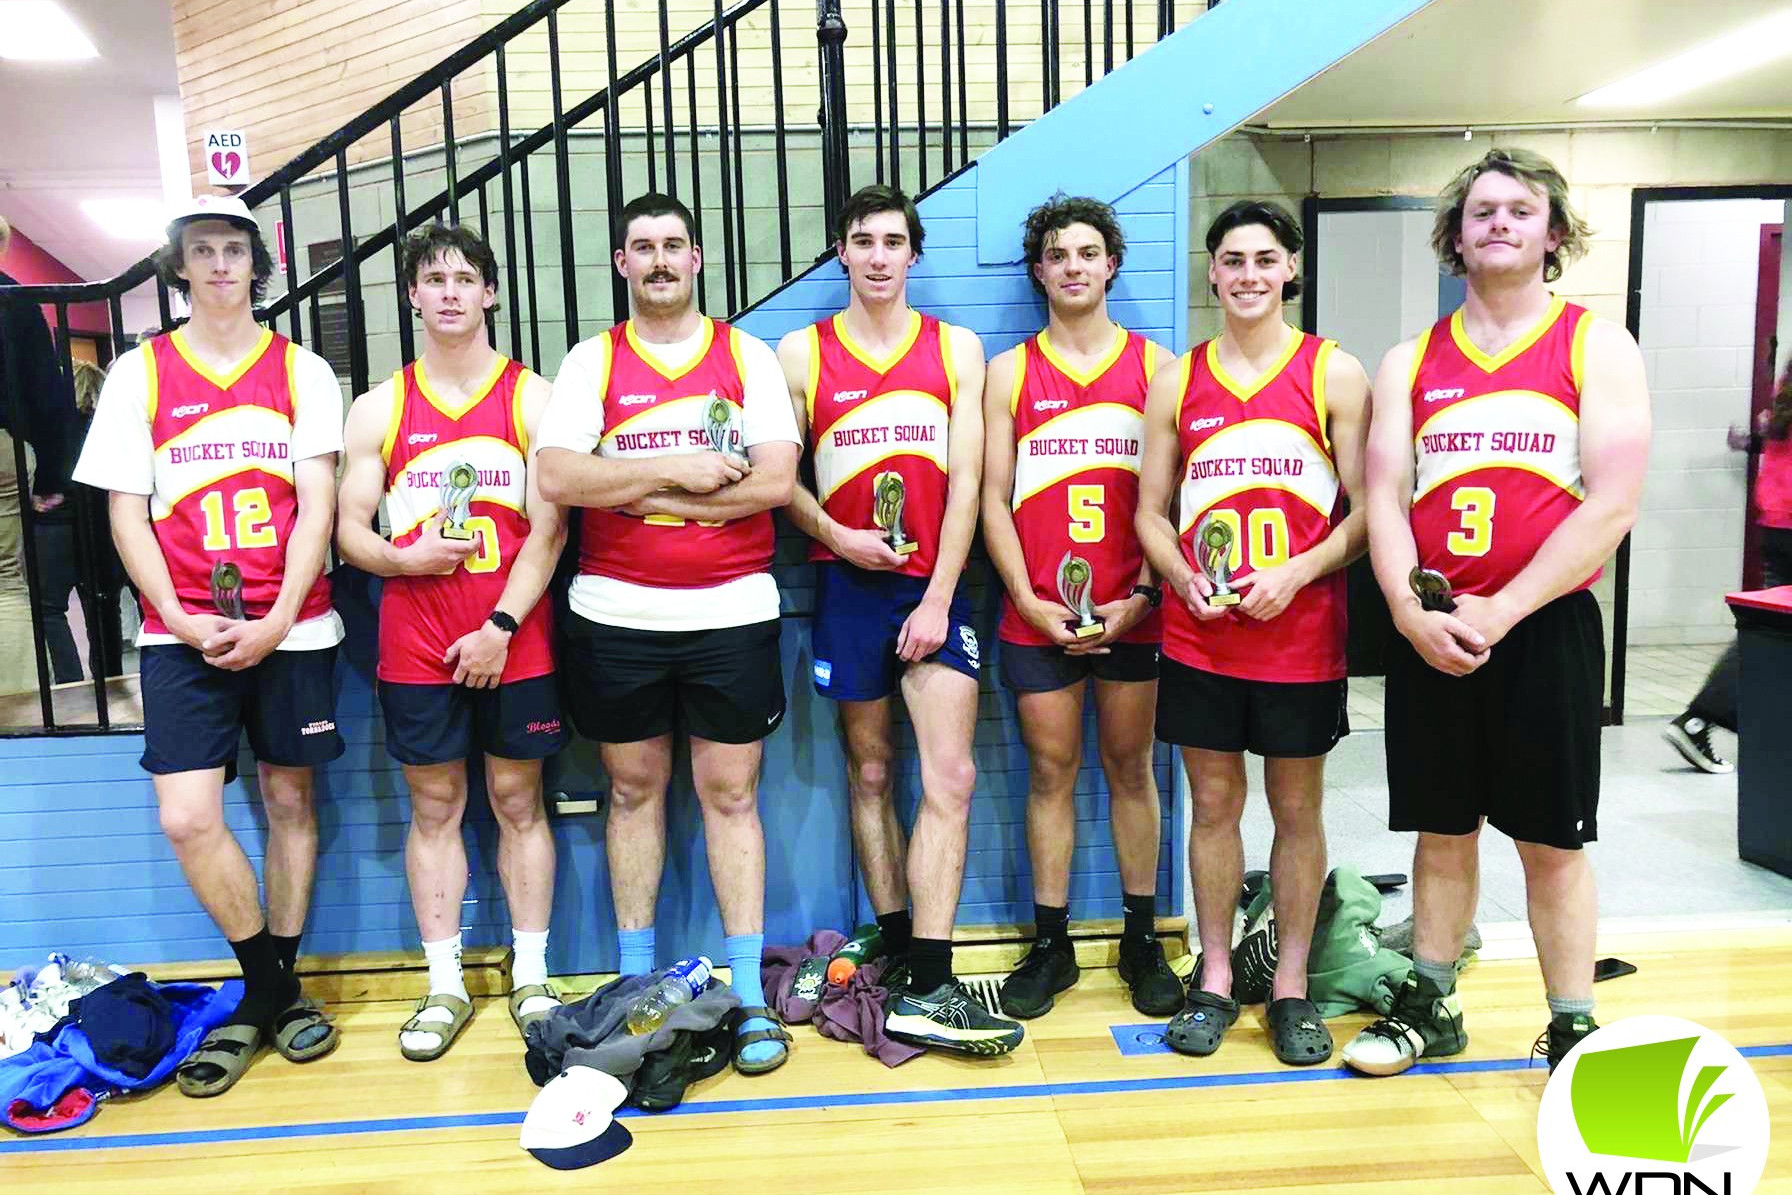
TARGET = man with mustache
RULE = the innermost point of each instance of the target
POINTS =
(673, 431)
(1507, 453)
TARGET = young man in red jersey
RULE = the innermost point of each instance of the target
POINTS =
(890, 398)
(1507, 453)
(1259, 431)
(1064, 423)
(674, 433)
(465, 659)
(218, 443)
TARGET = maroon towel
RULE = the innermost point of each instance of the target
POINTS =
(856, 1013)
(778, 968)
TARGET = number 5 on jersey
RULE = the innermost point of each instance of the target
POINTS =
(1088, 522)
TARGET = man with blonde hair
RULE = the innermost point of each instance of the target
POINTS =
(1505, 461)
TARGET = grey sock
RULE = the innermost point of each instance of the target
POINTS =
(1562, 1006)
(1441, 974)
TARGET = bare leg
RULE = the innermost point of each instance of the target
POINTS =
(291, 863)
(1296, 864)
(1215, 856)
(1126, 723)
(865, 725)
(525, 843)
(942, 704)
(435, 856)
(1051, 725)
(727, 779)
(192, 814)
(1446, 883)
(1564, 910)
(635, 834)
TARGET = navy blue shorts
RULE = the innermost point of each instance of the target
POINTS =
(431, 724)
(1043, 668)
(194, 713)
(859, 613)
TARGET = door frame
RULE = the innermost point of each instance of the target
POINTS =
(1640, 199)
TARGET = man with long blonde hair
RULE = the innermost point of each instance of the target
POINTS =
(1506, 456)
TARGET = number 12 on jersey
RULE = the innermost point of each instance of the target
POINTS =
(1264, 529)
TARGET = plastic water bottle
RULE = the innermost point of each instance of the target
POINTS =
(680, 985)
(866, 943)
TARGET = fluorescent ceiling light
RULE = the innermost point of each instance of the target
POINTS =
(1732, 54)
(39, 29)
(129, 219)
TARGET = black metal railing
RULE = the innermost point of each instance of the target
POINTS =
(864, 115)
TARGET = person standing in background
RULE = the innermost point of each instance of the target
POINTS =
(1716, 702)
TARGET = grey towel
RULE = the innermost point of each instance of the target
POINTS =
(593, 1032)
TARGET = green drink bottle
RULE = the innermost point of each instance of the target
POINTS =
(866, 944)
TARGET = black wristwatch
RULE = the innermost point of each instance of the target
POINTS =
(503, 622)
(1150, 593)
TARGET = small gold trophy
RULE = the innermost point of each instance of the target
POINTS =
(227, 589)
(458, 485)
(1076, 577)
(1213, 552)
(888, 493)
(1432, 589)
(719, 427)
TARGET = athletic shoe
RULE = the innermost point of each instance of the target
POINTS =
(949, 1018)
(1691, 737)
(1049, 968)
(1156, 991)
(1425, 1022)
(1398, 938)
(1564, 1033)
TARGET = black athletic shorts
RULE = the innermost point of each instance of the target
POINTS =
(431, 724)
(194, 713)
(1274, 719)
(1042, 668)
(1516, 741)
(624, 685)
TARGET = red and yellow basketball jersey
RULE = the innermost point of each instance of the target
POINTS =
(1077, 443)
(1496, 447)
(1257, 456)
(868, 417)
(224, 473)
(420, 617)
(648, 412)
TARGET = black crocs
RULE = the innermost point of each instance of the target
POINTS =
(1201, 1025)
(1297, 1033)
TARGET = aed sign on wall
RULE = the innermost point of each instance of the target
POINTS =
(226, 158)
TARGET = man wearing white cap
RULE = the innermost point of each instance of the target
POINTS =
(218, 445)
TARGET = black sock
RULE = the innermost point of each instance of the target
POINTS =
(267, 989)
(1051, 921)
(288, 950)
(1141, 916)
(929, 963)
(898, 929)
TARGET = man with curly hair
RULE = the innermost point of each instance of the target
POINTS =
(1064, 419)
(1506, 453)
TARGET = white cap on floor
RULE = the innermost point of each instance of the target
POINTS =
(572, 1122)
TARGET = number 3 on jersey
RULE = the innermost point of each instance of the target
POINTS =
(1476, 536)
(1268, 536)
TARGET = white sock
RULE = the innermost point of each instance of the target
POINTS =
(445, 979)
(530, 966)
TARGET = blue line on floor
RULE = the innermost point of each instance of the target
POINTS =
(1016, 1091)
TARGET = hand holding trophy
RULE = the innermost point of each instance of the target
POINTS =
(720, 428)
(458, 485)
(227, 590)
(1432, 589)
(888, 493)
(1213, 555)
(1076, 577)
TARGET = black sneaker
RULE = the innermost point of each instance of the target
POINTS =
(1049, 968)
(1156, 991)
(1564, 1033)
(1691, 737)
(949, 1018)
(1425, 1022)
(660, 1082)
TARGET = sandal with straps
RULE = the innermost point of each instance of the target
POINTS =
(445, 1032)
(742, 1040)
(521, 996)
(1296, 1032)
(299, 1018)
(228, 1048)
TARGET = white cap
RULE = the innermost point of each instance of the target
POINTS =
(227, 208)
(572, 1122)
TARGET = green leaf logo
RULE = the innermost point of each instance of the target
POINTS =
(1627, 1101)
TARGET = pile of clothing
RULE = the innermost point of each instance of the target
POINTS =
(38, 997)
(851, 1012)
(123, 1033)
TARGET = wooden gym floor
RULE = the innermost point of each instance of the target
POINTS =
(1067, 1112)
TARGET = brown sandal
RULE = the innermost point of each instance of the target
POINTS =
(445, 1033)
(299, 1018)
(229, 1048)
(519, 996)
